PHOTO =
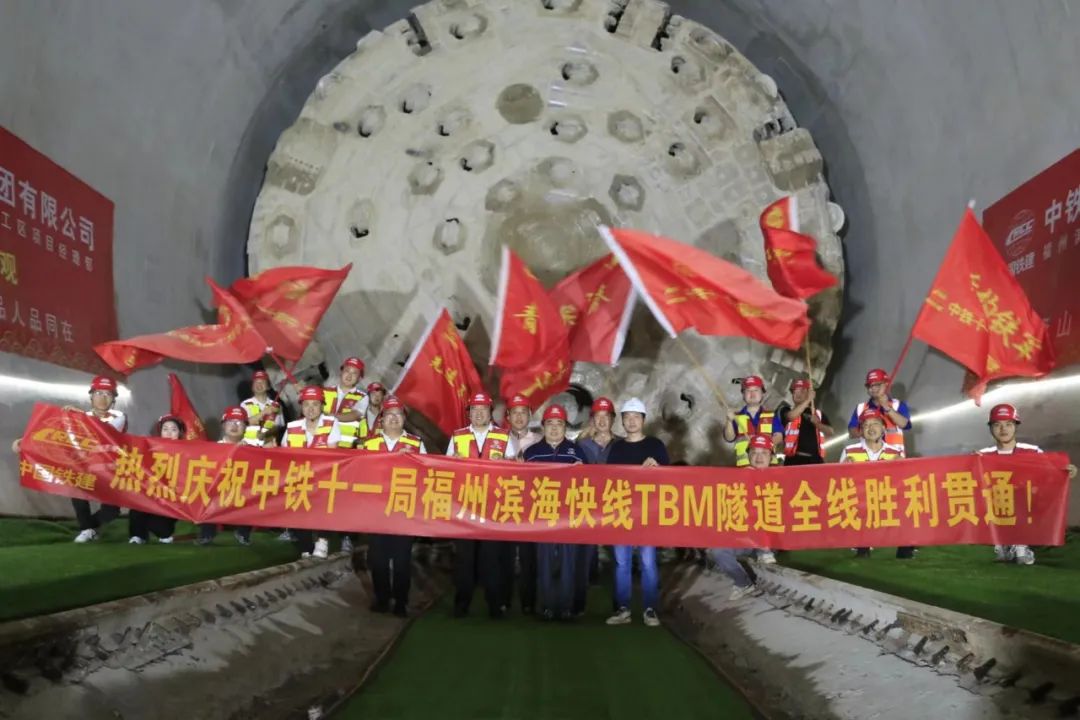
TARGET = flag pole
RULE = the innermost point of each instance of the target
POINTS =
(809, 374)
(705, 375)
(288, 373)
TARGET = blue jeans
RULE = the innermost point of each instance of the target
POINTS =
(727, 559)
(650, 576)
(555, 567)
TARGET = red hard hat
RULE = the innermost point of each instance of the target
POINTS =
(603, 404)
(260, 375)
(871, 414)
(372, 387)
(763, 442)
(555, 412)
(518, 401)
(179, 423)
(1004, 411)
(480, 398)
(877, 375)
(353, 362)
(234, 413)
(103, 383)
(752, 381)
(312, 392)
(800, 383)
(392, 403)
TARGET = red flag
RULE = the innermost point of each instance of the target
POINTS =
(232, 340)
(527, 323)
(977, 313)
(539, 381)
(791, 256)
(595, 304)
(180, 406)
(440, 375)
(685, 286)
(287, 303)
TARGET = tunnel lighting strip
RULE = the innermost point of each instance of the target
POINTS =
(69, 391)
(1001, 394)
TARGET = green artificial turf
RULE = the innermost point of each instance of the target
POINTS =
(43, 571)
(520, 668)
(1044, 597)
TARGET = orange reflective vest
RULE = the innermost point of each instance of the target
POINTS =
(464, 444)
(791, 436)
(745, 428)
(405, 444)
(858, 453)
(893, 434)
(296, 433)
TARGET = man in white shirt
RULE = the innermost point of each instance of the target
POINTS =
(520, 554)
(234, 424)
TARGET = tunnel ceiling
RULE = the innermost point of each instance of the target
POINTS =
(469, 125)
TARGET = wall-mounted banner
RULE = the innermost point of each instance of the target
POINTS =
(1037, 229)
(975, 499)
(56, 273)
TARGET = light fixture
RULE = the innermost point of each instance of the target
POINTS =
(25, 388)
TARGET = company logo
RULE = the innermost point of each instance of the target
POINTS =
(70, 434)
(1021, 233)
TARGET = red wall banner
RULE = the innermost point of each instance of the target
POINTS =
(967, 499)
(56, 281)
(1037, 229)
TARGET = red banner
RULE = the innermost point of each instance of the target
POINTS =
(966, 499)
(56, 274)
(1037, 229)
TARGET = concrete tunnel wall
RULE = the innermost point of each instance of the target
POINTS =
(171, 110)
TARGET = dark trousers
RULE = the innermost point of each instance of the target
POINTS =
(525, 554)
(141, 524)
(384, 550)
(480, 561)
(804, 460)
(93, 520)
(555, 563)
(584, 571)
(209, 531)
(304, 540)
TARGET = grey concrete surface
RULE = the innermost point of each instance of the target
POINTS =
(171, 109)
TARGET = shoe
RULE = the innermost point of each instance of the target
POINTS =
(204, 541)
(346, 545)
(621, 617)
(766, 557)
(566, 616)
(241, 539)
(1023, 555)
(322, 548)
(135, 540)
(862, 552)
(165, 540)
(740, 592)
(651, 620)
(305, 555)
(286, 536)
(905, 553)
(547, 615)
(1003, 553)
(86, 535)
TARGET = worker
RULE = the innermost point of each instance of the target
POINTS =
(752, 419)
(805, 426)
(376, 393)
(315, 429)
(390, 556)
(234, 424)
(556, 562)
(595, 441)
(873, 448)
(348, 404)
(760, 456)
(520, 555)
(894, 412)
(141, 524)
(636, 448)
(481, 439)
(1003, 421)
(264, 412)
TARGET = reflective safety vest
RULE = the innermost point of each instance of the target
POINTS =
(374, 427)
(893, 434)
(296, 433)
(115, 418)
(744, 428)
(791, 436)
(464, 443)
(859, 453)
(269, 423)
(405, 444)
(351, 432)
(1020, 449)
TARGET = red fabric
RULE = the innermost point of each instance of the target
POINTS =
(233, 339)
(685, 287)
(977, 313)
(972, 499)
(538, 382)
(593, 305)
(440, 376)
(791, 256)
(287, 303)
(180, 406)
(528, 325)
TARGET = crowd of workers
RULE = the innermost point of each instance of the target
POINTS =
(553, 577)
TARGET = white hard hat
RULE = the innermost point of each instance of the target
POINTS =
(633, 405)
